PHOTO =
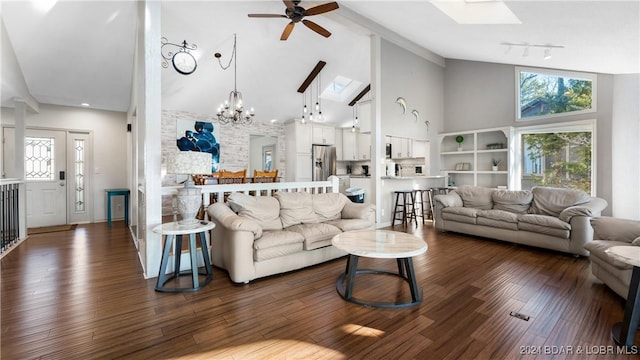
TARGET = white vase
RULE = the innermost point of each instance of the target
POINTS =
(494, 168)
(459, 147)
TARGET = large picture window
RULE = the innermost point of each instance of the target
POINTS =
(546, 93)
(558, 156)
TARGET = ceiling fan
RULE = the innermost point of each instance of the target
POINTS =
(296, 13)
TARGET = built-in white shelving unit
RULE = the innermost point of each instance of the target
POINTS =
(470, 162)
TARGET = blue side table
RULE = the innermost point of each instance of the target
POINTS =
(118, 192)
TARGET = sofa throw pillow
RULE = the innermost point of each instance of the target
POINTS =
(517, 202)
(296, 208)
(551, 201)
(328, 206)
(264, 210)
(475, 197)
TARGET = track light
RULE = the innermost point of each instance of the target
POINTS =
(527, 47)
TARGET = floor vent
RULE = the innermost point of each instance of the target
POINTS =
(519, 316)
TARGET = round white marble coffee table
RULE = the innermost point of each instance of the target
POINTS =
(383, 244)
(623, 333)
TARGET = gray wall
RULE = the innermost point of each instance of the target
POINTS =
(421, 83)
(482, 95)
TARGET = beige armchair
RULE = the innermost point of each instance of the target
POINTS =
(609, 232)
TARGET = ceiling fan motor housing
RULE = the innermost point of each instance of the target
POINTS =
(296, 13)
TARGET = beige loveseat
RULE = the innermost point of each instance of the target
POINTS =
(258, 236)
(551, 218)
(608, 232)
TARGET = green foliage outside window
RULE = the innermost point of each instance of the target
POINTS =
(566, 159)
(547, 94)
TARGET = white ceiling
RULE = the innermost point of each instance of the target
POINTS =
(82, 51)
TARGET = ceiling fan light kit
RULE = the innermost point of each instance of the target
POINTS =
(182, 60)
(296, 13)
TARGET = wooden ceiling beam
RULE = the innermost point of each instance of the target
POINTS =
(316, 70)
(362, 93)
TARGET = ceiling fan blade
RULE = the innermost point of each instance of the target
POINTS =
(266, 15)
(320, 9)
(287, 31)
(289, 4)
(317, 28)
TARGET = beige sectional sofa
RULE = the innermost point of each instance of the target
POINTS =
(551, 218)
(608, 232)
(258, 236)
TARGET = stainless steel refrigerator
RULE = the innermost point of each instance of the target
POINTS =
(324, 162)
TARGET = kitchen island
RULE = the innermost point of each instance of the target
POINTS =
(390, 184)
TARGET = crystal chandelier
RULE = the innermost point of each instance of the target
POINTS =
(232, 111)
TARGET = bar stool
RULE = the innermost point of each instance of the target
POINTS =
(405, 206)
(426, 210)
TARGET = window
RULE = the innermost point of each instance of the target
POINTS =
(558, 156)
(546, 93)
(39, 161)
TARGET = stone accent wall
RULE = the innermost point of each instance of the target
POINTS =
(234, 144)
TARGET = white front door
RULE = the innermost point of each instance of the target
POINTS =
(45, 175)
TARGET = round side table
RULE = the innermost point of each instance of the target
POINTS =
(623, 333)
(174, 232)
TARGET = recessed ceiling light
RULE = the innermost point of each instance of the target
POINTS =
(85, 104)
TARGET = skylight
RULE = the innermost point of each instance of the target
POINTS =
(487, 12)
(340, 89)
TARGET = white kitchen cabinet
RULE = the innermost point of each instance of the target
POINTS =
(420, 149)
(400, 148)
(303, 138)
(298, 151)
(304, 168)
(349, 149)
(363, 144)
(338, 145)
(364, 116)
(323, 135)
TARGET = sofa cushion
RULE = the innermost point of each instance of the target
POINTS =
(475, 197)
(499, 215)
(264, 210)
(350, 224)
(277, 238)
(497, 223)
(615, 229)
(597, 249)
(513, 201)
(498, 218)
(328, 206)
(544, 224)
(551, 201)
(296, 208)
(460, 214)
(276, 251)
(315, 235)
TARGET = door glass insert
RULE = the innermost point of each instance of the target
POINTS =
(79, 149)
(39, 158)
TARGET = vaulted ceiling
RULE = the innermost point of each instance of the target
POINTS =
(82, 51)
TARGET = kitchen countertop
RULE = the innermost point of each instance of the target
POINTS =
(412, 177)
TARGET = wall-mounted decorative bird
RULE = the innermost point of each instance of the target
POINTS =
(403, 104)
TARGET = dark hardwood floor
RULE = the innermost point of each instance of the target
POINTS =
(81, 295)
